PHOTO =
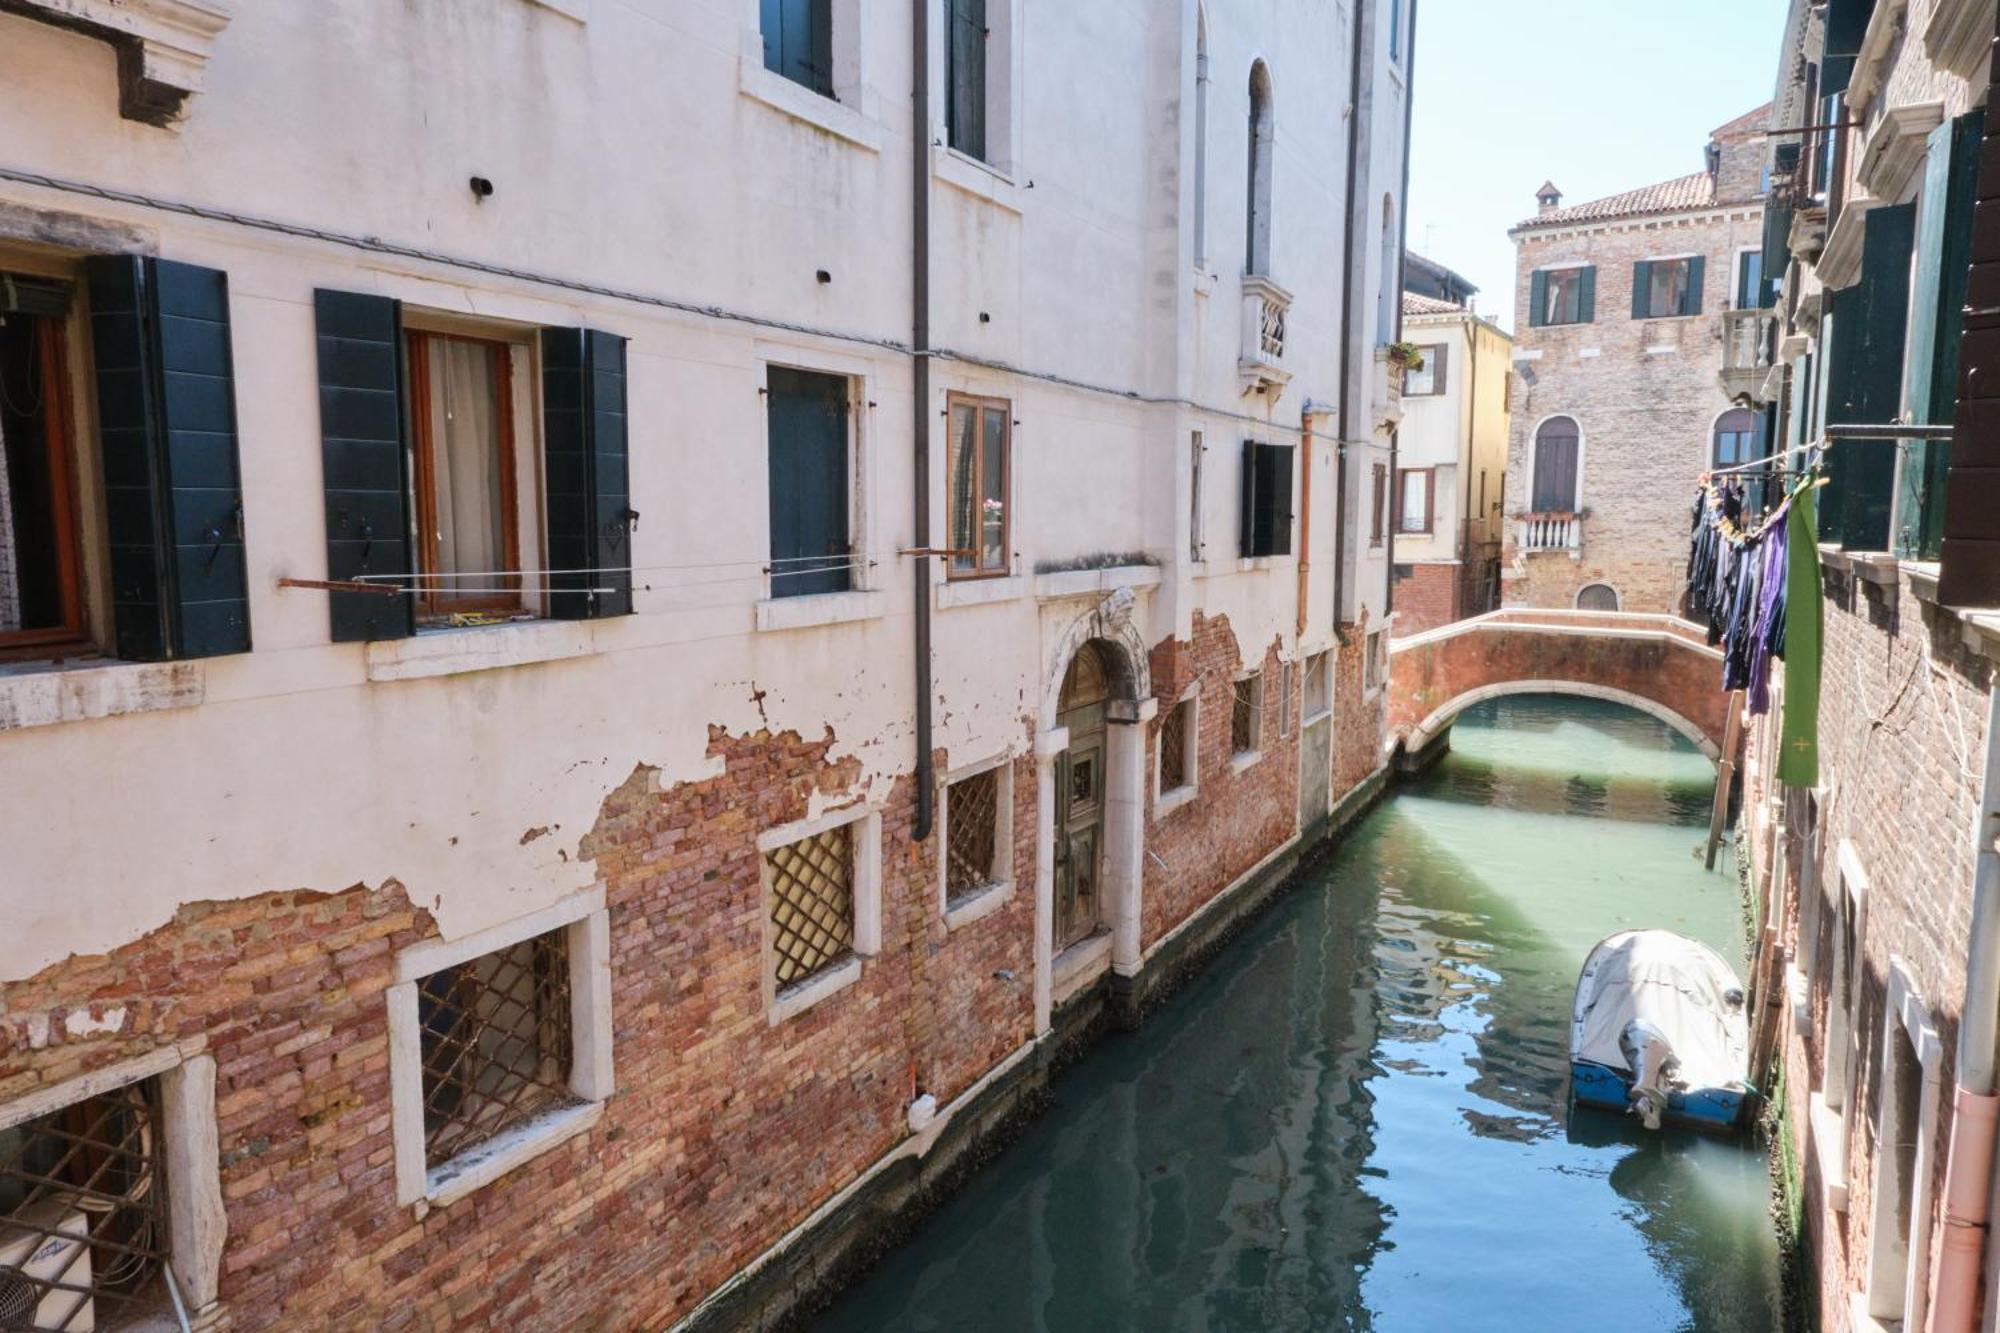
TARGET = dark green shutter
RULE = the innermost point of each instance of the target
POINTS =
(1275, 495)
(365, 460)
(965, 77)
(1846, 25)
(586, 465)
(1642, 286)
(1697, 276)
(1440, 367)
(1538, 299)
(798, 41)
(811, 550)
(1777, 252)
(1246, 542)
(1586, 296)
(173, 493)
(1866, 379)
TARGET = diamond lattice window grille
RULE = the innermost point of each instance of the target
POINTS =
(812, 903)
(495, 1037)
(1173, 746)
(1243, 706)
(972, 824)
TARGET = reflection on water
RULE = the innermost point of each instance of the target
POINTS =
(1356, 1119)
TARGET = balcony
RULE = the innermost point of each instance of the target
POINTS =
(1264, 307)
(1746, 359)
(1552, 532)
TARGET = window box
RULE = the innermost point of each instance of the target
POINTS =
(822, 907)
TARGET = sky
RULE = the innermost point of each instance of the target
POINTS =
(1599, 96)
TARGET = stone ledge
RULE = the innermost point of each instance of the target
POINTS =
(1085, 582)
(451, 652)
(40, 694)
(163, 46)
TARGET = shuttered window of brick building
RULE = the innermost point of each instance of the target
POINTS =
(1865, 382)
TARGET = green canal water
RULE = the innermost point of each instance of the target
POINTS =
(1356, 1117)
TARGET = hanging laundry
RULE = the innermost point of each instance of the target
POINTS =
(1737, 583)
(1798, 735)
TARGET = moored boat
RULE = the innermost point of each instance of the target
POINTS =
(1660, 1029)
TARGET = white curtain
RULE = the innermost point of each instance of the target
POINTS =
(465, 447)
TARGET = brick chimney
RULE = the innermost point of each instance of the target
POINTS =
(1549, 197)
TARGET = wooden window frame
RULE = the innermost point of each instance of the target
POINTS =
(423, 480)
(1429, 475)
(1434, 356)
(1551, 301)
(1377, 523)
(59, 442)
(979, 406)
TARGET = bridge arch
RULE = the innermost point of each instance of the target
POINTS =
(1441, 719)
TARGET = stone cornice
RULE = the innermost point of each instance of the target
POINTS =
(1840, 262)
(1959, 35)
(1895, 148)
(1738, 212)
(163, 45)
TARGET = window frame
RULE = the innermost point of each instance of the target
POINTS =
(1434, 358)
(1165, 798)
(980, 405)
(1242, 757)
(1403, 478)
(865, 846)
(1377, 523)
(1322, 662)
(1374, 664)
(1690, 293)
(984, 899)
(586, 927)
(60, 441)
(1550, 274)
(830, 89)
(789, 610)
(1535, 462)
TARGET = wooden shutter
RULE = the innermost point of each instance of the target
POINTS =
(1586, 296)
(173, 492)
(965, 78)
(1440, 367)
(1275, 498)
(798, 41)
(1697, 275)
(1970, 556)
(1846, 25)
(364, 459)
(587, 497)
(1246, 542)
(1538, 299)
(1642, 286)
(1554, 482)
(808, 482)
(1381, 496)
(1866, 380)
(1777, 255)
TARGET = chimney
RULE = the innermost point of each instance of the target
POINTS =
(1549, 197)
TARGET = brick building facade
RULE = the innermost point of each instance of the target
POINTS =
(1623, 310)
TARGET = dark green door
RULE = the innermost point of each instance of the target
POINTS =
(809, 502)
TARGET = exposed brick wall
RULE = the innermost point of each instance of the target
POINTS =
(1358, 716)
(1427, 596)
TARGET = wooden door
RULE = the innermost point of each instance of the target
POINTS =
(1079, 839)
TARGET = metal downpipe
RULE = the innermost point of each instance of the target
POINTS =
(920, 395)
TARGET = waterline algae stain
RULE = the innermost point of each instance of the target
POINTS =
(1356, 1119)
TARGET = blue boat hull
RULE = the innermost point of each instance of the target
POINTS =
(1703, 1108)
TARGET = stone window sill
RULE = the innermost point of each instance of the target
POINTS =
(1829, 1136)
(1877, 567)
(826, 608)
(1245, 760)
(569, 9)
(1860, 1321)
(1169, 801)
(1248, 564)
(1086, 582)
(39, 694)
(982, 180)
(1923, 580)
(802, 104)
(979, 592)
(978, 904)
(451, 652)
(451, 1181)
(792, 1002)
(1080, 964)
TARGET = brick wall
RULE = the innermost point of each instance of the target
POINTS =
(1427, 596)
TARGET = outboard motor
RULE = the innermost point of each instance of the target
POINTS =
(1653, 1064)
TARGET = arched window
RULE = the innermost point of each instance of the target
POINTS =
(1201, 138)
(1557, 444)
(1389, 296)
(1597, 597)
(1258, 261)
(1739, 436)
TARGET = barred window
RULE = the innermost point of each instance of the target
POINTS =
(495, 1036)
(1245, 713)
(1319, 685)
(972, 835)
(812, 903)
(83, 1216)
(1375, 661)
(1286, 679)
(1176, 727)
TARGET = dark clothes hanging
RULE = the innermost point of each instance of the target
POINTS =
(1736, 582)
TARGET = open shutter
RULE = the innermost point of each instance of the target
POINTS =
(587, 487)
(1846, 25)
(1586, 296)
(173, 492)
(1867, 386)
(1970, 559)
(1275, 500)
(1247, 527)
(1642, 286)
(1697, 275)
(965, 76)
(1440, 367)
(1538, 299)
(365, 460)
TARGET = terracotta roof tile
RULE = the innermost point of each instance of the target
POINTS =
(1414, 304)
(1674, 196)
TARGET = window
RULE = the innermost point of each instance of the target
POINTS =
(1414, 489)
(499, 1046)
(1201, 82)
(810, 511)
(41, 600)
(812, 903)
(1177, 748)
(1558, 444)
(84, 1223)
(1597, 597)
(965, 77)
(1395, 31)
(1286, 681)
(1319, 686)
(1562, 296)
(1267, 499)
(1380, 506)
(1257, 262)
(1195, 450)
(1739, 437)
(461, 405)
(973, 817)
(979, 449)
(1428, 379)
(1375, 663)
(1749, 280)
(1666, 288)
(1246, 714)
(798, 42)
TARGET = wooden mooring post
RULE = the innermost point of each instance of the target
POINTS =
(1725, 776)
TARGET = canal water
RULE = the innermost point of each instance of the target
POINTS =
(1355, 1117)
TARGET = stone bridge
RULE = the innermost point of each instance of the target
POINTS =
(1658, 664)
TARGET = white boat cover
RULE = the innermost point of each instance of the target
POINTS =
(1681, 987)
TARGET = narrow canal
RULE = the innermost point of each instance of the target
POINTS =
(1356, 1117)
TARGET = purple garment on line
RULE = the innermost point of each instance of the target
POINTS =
(1770, 596)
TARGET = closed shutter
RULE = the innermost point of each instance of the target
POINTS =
(1697, 276)
(1440, 368)
(1276, 499)
(1586, 297)
(1866, 383)
(810, 550)
(588, 490)
(1642, 286)
(1538, 299)
(1970, 556)
(1246, 542)
(1777, 255)
(965, 78)
(798, 41)
(1554, 481)
(166, 407)
(365, 460)
(1846, 25)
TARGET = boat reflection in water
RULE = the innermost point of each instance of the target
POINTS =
(1356, 1118)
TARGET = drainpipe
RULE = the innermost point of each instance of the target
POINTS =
(920, 391)
(1306, 508)
(1968, 1173)
(1470, 458)
(1402, 251)
(1347, 376)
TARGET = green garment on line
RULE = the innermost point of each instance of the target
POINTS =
(1798, 758)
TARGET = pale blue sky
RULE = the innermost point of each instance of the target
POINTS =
(1599, 96)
